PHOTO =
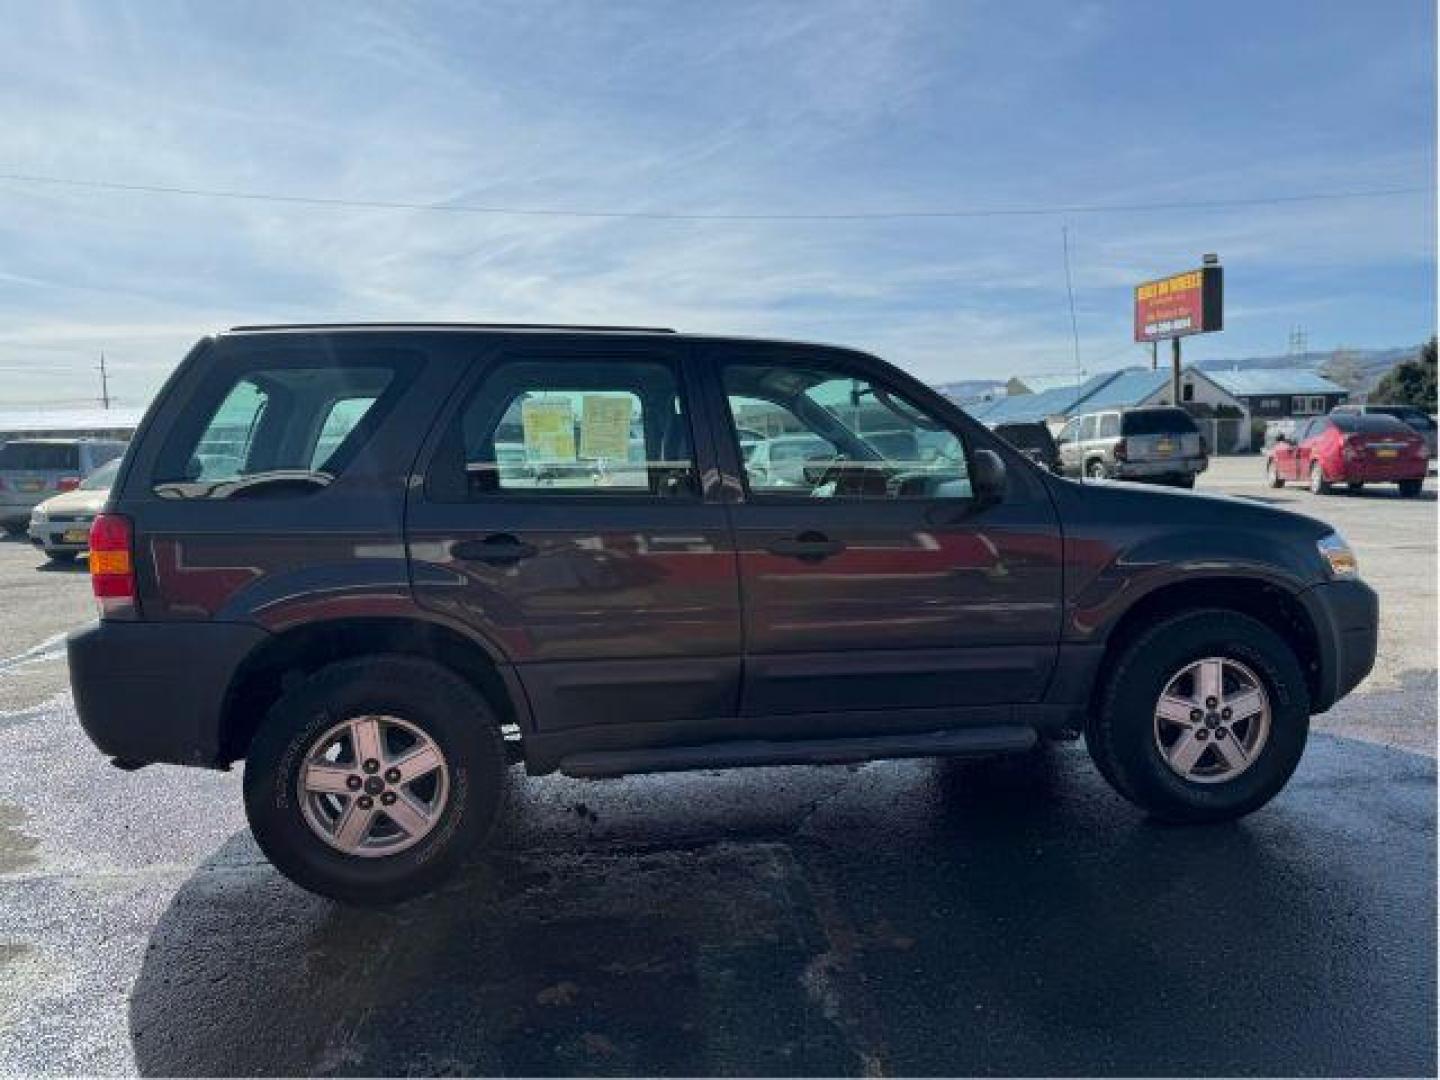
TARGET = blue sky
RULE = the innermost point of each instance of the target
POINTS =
(730, 107)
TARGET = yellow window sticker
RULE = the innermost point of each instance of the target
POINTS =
(549, 425)
(605, 427)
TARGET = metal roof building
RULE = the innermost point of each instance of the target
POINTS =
(1257, 382)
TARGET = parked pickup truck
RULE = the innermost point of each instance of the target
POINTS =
(370, 599)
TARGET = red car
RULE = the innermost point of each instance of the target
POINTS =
(1350, 449)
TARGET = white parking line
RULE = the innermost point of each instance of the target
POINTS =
(52, 648)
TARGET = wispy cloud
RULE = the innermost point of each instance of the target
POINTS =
(740, 107)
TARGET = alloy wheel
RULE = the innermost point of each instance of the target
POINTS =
(373, 786)
(1212, 720)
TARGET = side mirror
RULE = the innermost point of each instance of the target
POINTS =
(987, 478)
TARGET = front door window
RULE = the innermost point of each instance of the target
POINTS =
(821, 433)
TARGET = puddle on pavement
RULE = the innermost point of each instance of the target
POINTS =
(17, 850)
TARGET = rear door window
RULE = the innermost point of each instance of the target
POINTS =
(1109, 425)
(1088, 427)
(288, 423)
(565, 428)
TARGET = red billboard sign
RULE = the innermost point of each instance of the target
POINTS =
(1182, 304)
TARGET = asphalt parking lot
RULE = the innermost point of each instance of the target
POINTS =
(899, 918)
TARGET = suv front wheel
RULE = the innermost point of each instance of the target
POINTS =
(1203, 718)
(371, 781)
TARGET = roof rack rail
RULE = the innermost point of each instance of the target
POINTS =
(461, 326)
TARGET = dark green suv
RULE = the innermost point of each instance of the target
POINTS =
(384, 563)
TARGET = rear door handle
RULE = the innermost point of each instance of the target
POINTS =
(811, 546)
(497, 548)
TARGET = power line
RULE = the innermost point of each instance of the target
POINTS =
(665, 215)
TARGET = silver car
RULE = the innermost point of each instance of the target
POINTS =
(60, 526)
(33, 470)
(1159, 444)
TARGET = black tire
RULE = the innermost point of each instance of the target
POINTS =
(1272, 474)
(14, 529)
(1318, 484)
(1184, 481)
(1355, 487)
(1410, 488)
(1121, 734)
(422, 693)
(61, 556)
(1095, 470)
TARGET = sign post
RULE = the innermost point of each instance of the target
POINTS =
(1178, 306)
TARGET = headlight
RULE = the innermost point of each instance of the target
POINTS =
(1338, 556)
(37, 517)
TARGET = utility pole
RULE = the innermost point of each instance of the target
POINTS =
(1154, 355)
(1174, 371)
(104, 383)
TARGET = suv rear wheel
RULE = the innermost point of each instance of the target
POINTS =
(1204, 717)
(371, 781)
(1318, 484)
(1410, 488)
(1095, 470)
(1272, 474)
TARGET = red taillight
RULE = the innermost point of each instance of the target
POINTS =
(67, 483)
(112, 570)
(1122, 452)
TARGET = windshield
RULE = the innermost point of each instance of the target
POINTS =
(101, 478)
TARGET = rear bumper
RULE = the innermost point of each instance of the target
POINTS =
(155, 692)
(1377, 473)
(1130, 470)
(1346, 615)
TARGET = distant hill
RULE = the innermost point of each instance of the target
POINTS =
(1358, 368)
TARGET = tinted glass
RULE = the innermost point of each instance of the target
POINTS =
(1026, 436)
(555, 428)
(101, 478)
(286, 425)
(1370, 424)
(1158, 422)
(834, 435)
(40, 456)
(1109, 425)
(1088, 427)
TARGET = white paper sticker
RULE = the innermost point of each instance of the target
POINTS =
(605, 427)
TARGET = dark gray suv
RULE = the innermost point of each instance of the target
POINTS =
(383, 563)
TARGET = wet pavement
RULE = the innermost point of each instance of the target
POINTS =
(898, 918)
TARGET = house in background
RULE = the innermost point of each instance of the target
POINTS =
(1280, 393)
(1221, 417)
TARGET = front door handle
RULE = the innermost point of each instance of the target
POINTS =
(810, 546)
(496, 548)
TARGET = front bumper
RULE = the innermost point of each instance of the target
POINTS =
(1346, 616)
(150, 692)
(51, 535)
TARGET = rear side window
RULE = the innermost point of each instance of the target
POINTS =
(1109, 425)
(287, 423)
(1159, 422)
(40, 456)
(1087, 427)
(569, 427)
